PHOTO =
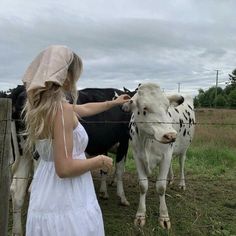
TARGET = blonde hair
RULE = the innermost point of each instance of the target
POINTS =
(40, 110)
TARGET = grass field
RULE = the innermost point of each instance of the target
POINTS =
(206, 207)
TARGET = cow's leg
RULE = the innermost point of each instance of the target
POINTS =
(161, 189)
(181, 165)
(114, 177)
(119, 177)
(122, 150)
(140, 218)
(103, 187)
(119, 170)
(18, 190)
(170, 177)
(35, 165)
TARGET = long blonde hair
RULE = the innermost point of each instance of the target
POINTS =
(39, 112)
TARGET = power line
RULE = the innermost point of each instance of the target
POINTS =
(178, 87)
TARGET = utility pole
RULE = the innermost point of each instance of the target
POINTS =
(178, 87)
(217, 73)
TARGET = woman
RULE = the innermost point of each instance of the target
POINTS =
(62, 200)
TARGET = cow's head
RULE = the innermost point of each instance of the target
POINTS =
(150, 112)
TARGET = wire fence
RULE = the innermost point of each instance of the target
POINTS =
(150, 179)
(152, 122)
(142, 122)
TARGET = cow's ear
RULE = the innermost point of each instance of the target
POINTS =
(126, 90)
(176, 100)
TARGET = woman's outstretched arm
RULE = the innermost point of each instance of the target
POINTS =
(94, 108)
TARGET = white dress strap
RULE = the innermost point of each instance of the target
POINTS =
(64, 135)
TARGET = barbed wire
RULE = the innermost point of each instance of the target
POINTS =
(204, 179)
(159, 122)
(143, 122)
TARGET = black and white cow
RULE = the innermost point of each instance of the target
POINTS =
(183, 118)
(105, 130)
(160, 127)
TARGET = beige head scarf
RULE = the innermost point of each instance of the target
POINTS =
(51, 65)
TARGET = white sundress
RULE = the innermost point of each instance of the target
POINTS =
(63, 207)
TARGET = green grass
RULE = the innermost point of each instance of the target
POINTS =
(206, 161)
(211, 161)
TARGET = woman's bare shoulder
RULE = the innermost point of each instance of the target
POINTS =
(71, 115)
(67, 106)
(65, 111)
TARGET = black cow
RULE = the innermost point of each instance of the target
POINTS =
(105, 130)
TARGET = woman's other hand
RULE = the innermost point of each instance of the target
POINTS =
(105, 163)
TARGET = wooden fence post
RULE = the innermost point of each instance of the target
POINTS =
(5, 147)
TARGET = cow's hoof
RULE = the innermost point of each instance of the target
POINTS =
(165, 222)
(140, 221)
(103, 195)
(170, 181)
(113, 183)
(124, 202)
(182, 186)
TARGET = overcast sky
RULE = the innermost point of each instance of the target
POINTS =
(125, 42)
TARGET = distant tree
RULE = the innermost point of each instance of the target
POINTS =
(232, 99)
(3, 94)
(207, 98)
(196, 102)
(14, 93)
(225, 97)
(228, 89)
(220, 101)
(199, 98)
(232, 77)
(231, 84)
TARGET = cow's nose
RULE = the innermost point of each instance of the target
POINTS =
(169, 137)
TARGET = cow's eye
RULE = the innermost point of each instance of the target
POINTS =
(147, 110)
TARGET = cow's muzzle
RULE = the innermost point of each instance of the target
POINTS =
(169, 137)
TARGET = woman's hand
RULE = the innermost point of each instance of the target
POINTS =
(105, 163)
(122, 99)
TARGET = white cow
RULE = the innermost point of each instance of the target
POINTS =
(152, 138)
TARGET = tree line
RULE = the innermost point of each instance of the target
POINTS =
(218, 97)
